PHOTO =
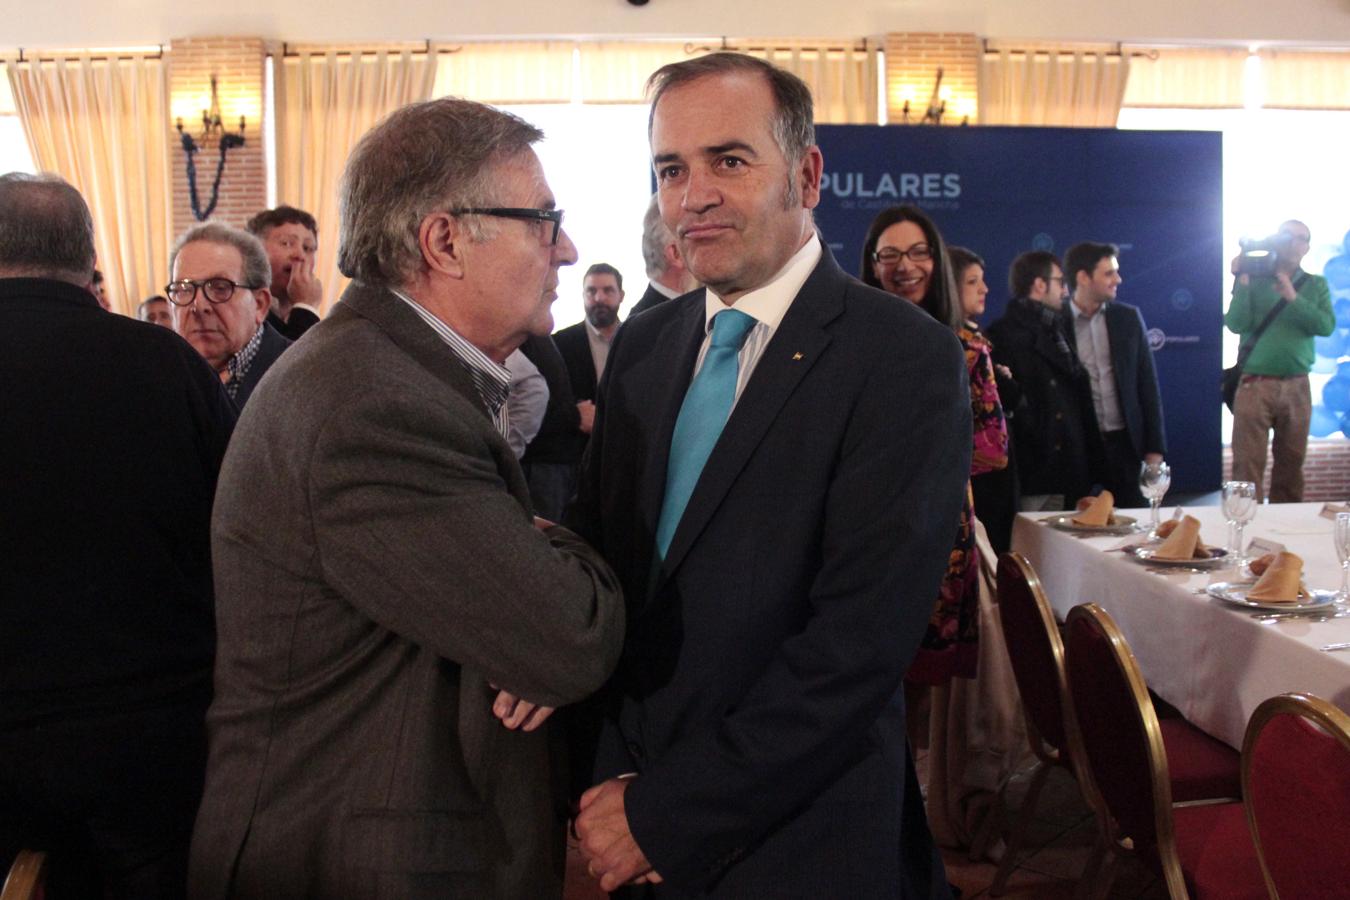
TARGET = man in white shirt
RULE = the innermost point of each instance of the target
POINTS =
(1112, 345)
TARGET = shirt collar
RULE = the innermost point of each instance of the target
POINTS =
(769, 302)
(239, 363)
(597, 334)
(492, 380)
(668, 293)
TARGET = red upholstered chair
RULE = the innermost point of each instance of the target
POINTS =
(26, 878)
(1037, 656)
(1202, 850)
(1201, 768)
(1296, 778)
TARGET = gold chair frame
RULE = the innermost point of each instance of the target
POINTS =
(1329, 718)
(26, 876)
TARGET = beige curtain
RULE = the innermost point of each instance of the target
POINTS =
(1048, 88)
(103, 125)
(617, 72)
(325, 102)
(506, 72)
(1297, 80)
(842, 79)
(1187, 78)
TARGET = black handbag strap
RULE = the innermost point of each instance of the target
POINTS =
(1245, 350)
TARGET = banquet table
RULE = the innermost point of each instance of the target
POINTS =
(1213, 661)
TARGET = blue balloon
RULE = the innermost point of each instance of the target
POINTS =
(1323, 365)
(1343, 370)
(1336, 394)
(1342, 310)
(1333, 346)
(1337, 272)
(1345, 425)
(1324, 422)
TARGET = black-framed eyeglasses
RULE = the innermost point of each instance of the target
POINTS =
(889, 256)
(518, 212)
(216, 290)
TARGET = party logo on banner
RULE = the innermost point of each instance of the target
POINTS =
(871, 190)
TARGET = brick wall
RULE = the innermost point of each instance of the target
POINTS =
(237, 64)
(912, 61)
(1326, 471)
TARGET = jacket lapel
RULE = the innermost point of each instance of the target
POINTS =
(796, 345)
(396, 319)
(414, 337)
(664, 377)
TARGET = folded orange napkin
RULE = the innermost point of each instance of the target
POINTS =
(1282, 581)
(1260, 564)
(1098, 512)
(1183, 541)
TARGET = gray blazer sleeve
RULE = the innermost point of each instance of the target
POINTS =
(414, 526)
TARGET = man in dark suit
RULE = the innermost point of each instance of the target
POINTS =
(1112, 346)
(384, 594)
(220, 300)
(291, 238)
(585, 345)
(1054, 431)
(668, 276)
(755, 745)
(112, 434)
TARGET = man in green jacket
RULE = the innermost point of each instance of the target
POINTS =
(1274, 392)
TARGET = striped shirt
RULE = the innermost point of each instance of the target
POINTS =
(766, 305)
(492, 381)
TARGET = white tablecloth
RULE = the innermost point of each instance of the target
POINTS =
(1212, 661)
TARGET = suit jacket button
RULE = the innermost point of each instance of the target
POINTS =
(635, 749)
(1059, 416)
(1052, 382)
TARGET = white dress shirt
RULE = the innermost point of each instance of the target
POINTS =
(1094, 352)
(766, 305)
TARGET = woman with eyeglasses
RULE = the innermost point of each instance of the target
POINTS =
(904, 254)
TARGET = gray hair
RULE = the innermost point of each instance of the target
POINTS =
(257, 268)
(655, 238)
(45, 229)
(426, 157)
(793, 122)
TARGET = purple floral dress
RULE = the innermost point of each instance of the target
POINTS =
(949, 644)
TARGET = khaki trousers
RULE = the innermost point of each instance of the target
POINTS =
(1263, 403)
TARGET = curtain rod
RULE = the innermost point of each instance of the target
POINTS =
(726, 45)
(1067, 48)
(105, 56)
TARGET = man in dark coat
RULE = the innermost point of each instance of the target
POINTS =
(1054, 431)
(111, 437)
(774, 469)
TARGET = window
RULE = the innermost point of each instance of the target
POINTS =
(1278, 164)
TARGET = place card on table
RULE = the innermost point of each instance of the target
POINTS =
(1261, 546)
(1329, 510)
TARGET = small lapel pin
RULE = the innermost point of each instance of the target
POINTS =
(796, 356)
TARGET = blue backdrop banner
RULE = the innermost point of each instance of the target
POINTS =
(1002, 191)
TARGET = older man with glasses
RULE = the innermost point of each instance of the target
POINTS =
(220, 300)
(394, 625)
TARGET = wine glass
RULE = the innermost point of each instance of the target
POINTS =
(1343, 553)
(1154, 480)
(1239, 508)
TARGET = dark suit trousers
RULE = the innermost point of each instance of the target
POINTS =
(111, 798)
(1121, 475)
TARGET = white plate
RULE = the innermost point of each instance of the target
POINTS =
(1236, 594)
(1122, 525)
(1217, 558)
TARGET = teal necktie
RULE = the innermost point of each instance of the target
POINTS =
(707, 405)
